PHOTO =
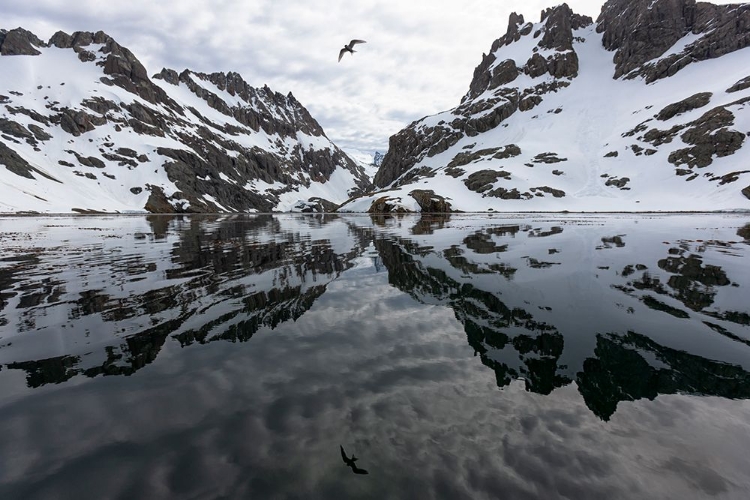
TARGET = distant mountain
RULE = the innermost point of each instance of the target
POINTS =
(84, 129)
(370, 162)
(648, 108)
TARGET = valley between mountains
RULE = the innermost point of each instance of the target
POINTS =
(646, 108)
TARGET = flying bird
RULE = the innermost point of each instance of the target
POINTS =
(350, 462)
(349, 48)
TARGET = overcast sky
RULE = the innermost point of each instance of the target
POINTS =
(418, 60)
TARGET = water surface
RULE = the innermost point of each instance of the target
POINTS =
(530, 356)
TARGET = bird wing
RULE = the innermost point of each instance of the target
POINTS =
(353, 42)
(343, 454)
(341, 54)
(357, 470)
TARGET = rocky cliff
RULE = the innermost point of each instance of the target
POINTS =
(645, 108)
(84, 128)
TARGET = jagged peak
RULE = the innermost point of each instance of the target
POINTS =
(559, 24)
(261, 107)
(556, 30)
(19, 41)
(550, 10)
(79, 39)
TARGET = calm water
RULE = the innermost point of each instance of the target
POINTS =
(463, 357)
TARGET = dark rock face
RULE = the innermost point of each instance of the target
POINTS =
(19, 42)
(740, 85)
(693, 102)
(385, 205)
(639, 33)
(14, 163)
(557, 193)
(465, 158)
(618, 183)
(319, 205)
(430, 202)
(410, 146)
(509, 194)
(15, 129)
(642, 30)
(709, 136)
(483, 180)
(560, 22)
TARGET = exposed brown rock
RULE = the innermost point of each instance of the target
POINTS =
(386, 205)
(409, 146)
(709, 137)
(548, 158)
(693, 102)
(557, 193)
(559, 23)
(483, 180)
(157, 202)
(536, 65)
(618, 183)
(15, 129)
(19, 42)
(430, 202)
(14, 163)
(740, 85)
(640, 31)
(509, 194)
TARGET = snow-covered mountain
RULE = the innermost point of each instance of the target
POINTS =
(648, 108)
(644, 109)
(83, 128)
(370, 163)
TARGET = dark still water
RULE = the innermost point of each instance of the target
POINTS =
(464, 357)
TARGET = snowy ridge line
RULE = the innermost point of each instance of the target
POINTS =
(83, 129)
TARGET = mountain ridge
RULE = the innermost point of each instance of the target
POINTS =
(217, 143)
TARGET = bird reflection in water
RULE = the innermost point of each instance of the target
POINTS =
(351, 462)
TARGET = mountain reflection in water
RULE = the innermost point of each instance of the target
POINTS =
(616, 309)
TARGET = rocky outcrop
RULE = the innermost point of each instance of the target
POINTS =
(693, 102)
(429, 202)
(387, 205)
(709, 136)
(740, 85)
(316, 205)
(483, 180)
(559, 23)
(410, 146)
(19, 42)
(642, 31)
(16, 164)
